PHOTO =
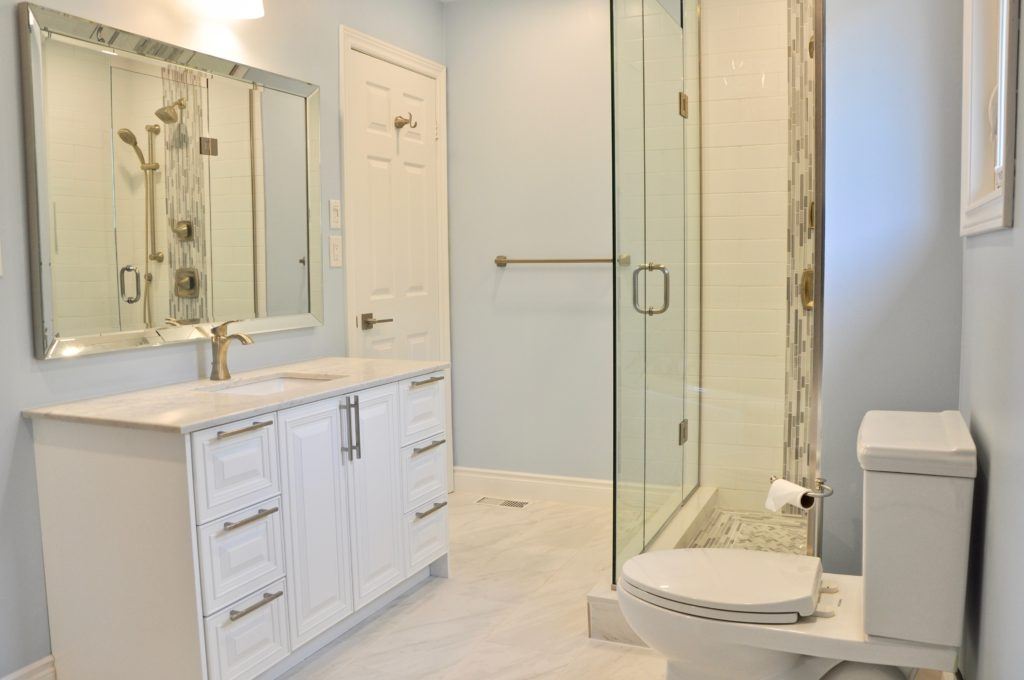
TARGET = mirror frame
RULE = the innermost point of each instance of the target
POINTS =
(33, 21)
(981, 213)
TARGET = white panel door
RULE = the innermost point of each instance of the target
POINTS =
(392, 224)
(317, 503)
(378, 540)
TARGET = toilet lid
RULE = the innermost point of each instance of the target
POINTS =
(729, 580)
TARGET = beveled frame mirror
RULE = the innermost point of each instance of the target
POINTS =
(217, 222)
(989, 121)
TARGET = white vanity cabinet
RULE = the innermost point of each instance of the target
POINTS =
(378, 539)
(232, 551)
(318, 507)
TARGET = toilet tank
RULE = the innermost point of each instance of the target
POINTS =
(919, 471)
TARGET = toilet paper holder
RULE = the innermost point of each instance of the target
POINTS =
(822, 490)
(815, 525)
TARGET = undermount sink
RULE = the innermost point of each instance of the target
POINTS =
(273, 384)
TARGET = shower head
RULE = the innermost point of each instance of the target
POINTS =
(169, 114)
(128, 137)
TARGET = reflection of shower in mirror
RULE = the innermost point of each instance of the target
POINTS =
(149, 169)
(169, 114)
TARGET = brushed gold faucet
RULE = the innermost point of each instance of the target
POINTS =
(220, 340)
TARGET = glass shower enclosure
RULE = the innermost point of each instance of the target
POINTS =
(657, 280)
(716, 129)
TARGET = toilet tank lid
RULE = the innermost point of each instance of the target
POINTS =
(911, 442)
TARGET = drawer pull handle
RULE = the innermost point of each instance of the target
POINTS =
(421, 383)
(428, 513)
(236, 614)
(258, 425)
(432, 445)
(260, 514)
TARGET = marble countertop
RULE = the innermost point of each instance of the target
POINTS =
(198, 404)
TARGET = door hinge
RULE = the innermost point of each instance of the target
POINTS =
(208, 146)
(684, 105)
(437, 132)
(684, 432)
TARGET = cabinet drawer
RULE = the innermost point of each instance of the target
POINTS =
(241, 553)
(426, 534)
(235, 465)
(423, 406)
(249, 637)
(424, 472)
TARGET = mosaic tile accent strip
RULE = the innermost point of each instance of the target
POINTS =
(753, 531)
(800, 246)
(185, 180)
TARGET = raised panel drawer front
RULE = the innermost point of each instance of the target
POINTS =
(235, 465)
(426, 533)
(250, 636)
(316, 464)
(423, 407)
(240, 553)
(424, 471)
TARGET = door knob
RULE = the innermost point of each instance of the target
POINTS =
(367, 322)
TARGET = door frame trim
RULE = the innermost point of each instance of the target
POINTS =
(352, 41)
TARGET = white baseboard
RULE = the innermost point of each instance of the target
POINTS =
(40, 670)
(528, 486)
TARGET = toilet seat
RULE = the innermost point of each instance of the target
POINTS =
(741, 586)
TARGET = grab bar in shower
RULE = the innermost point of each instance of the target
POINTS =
(503, 261)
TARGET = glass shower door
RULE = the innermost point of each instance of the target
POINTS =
(657, 244)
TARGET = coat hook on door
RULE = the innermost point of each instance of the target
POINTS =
(402, 121)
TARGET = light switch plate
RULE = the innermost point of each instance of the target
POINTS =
(337, 259)
(335, 205)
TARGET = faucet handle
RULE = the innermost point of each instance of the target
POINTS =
(221, 330)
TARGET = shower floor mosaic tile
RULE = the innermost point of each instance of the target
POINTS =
(753, 531)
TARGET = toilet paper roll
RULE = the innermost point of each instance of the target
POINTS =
(783, 492)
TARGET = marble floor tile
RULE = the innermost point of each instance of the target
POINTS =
(514, 608)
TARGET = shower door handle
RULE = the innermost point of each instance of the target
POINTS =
(138, 284)
(650, 267)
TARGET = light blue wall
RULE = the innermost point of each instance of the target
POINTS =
(298, 38)
(529, 109)
(892, 249)
(992, 400)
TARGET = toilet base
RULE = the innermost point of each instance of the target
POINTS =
(803, 668)
(807, 668)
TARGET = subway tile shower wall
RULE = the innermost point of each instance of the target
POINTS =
(745, 178)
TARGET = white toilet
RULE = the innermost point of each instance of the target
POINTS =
(720, 614)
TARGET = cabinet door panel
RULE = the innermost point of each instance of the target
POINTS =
(378, 544)
(317, 506)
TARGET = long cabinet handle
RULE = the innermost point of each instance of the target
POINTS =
(346, 424)
(357, 443)
(259, 425)
(260, 514)
(236, 614)
(421, 383)
(428, 513)
(432, 445)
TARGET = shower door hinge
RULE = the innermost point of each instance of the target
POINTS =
(684, 432)
(208, 146)
(684, 105)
